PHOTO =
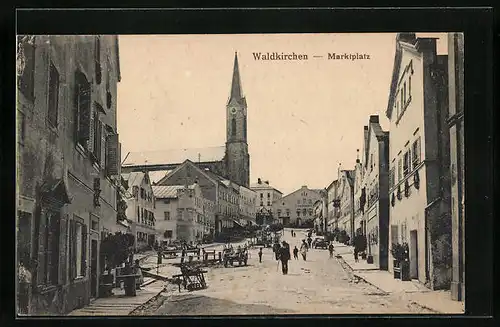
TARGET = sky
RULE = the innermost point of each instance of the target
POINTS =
(304, 117)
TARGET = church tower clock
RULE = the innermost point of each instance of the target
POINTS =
(237, 157)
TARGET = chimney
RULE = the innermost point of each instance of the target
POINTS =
(267, 182)
(357, 156)
(374, 119)
(259, 181)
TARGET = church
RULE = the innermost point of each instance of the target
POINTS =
(231, 161)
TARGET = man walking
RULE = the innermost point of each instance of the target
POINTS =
(284, 257)
(296, 253)
(330, 248)
(260, 255)
(276, 250)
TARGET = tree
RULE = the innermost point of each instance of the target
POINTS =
(117, 248)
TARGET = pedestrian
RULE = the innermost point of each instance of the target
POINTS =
(276, 250)
(24, 290)
(296, 253)
(303, 249)
(359, 244)
(284, 256)
(138, 271)
(260, 255)
(309, 241)
(330, 248)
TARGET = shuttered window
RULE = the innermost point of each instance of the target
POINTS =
(400, 169)
(83, 111)
(78, 249)
(48, 247)
(53, 95)
(112, 155)
(391, 178)
(416, 152)
(394, 234)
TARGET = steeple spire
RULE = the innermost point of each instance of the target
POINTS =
(236, 92)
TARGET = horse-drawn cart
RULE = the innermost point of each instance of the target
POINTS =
(191, 278)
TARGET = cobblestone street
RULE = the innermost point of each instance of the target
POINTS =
(317, 286)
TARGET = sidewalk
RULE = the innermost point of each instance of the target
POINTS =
(119, 304)
(439, 301)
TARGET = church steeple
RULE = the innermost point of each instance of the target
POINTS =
(236, 91)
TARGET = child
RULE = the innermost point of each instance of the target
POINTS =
(260, 255)
(296, 253)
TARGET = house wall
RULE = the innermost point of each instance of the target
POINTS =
(161, 223)
(300, 200)
(47, 153)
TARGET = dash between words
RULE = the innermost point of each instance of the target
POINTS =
(277, 56)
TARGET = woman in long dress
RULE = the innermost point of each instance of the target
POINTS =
(303, 249)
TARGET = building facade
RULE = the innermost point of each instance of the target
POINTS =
(190, 219)
(297, 208)
(419, 159)
(359, 189)
(231, 162)
(247, 201)
(68, 165)
(375, 194)
(457, 160)
(346, 206)
(140, 209)
(166, 211)
(332, 207)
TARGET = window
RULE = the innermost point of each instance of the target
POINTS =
(394, 234)
(233, 127)
(168, 233)
(416, 152)
(400, 169)
(83, 110)
(97, 132)
(279, 212)
(78, 248)
(391, 178)
(98, 72)
(406, 163)
(53, 95)
(21, 127)
(167, 215)
(288, 212)
(268, 203)
(26, 52)
(48, 246)
(298, 213)
(304, 212)
(268, 195)
(138, 214)
(261, 203)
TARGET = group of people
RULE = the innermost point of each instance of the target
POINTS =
(292, 232)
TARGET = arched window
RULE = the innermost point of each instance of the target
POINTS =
(233, 127)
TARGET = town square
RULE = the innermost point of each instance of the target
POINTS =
(257, 174)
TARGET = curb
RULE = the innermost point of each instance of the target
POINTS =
(148, 302)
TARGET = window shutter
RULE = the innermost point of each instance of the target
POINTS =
(84, 250)
(400, 168)
(90, 143)
(103, 145)
(72, 250)
(112, 155)
(84, 112)
(63, 243)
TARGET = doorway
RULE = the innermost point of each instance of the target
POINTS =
(93, 269)
(413, 254)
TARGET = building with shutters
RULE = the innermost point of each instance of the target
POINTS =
(140, 210)
(297, 208)
(374, 197)
(68, 167)
(419, 159)
(231, 162)
(345, 193)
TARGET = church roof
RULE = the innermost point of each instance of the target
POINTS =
(236, 91)
(174, 156)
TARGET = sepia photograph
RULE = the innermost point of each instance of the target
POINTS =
(240, 174)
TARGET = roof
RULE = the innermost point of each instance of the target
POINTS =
(175, 156)
(133, 178)
(155, 176)
(169, 191)
(264, 186)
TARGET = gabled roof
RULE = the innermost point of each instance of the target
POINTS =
(379, 134)
(168, 191)
(192, 165)
(157, 175)
(329, 187)
(175, 156)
